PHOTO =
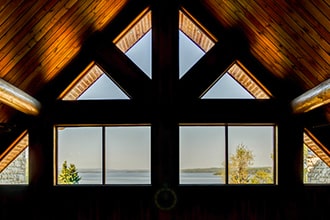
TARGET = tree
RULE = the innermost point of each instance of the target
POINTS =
(262, 176)
(69, 175)
(239, 164)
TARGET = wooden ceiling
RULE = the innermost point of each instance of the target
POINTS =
(290, 39)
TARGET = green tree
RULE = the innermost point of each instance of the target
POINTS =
(69, 175)
(262, 176)
(239, 164)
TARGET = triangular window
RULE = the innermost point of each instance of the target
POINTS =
(236, 83)
(135, 42)
(189, 53)
(14, 162)
(194, 42)
(316, 161)
(140, 53)
(93, 84)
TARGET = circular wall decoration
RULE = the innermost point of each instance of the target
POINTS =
(165, 198)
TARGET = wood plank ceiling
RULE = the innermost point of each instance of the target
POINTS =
(39, 38)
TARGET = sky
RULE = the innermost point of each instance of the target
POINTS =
(129, 147)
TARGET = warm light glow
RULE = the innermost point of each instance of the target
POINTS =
(18, 99)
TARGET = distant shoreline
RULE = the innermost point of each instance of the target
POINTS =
(215, 170)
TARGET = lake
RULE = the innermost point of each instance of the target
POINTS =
(143, 177)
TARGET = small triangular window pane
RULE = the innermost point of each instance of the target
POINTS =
(135, 42)
(236, 84)
(189, 53)
(103, 88)
(94, 85)
(140, 53)
(194, 43)
(227, 88)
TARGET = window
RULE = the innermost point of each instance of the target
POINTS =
(193, 40)
(227, 154)
(120, 154)
(316, 161)
(14, 167)
(103, 155)
(236, 83)
(93, 84)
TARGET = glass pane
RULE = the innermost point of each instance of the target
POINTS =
(202, 155)
(102, 89)
(128, 155)
(250, 154)
(227, 88)
(17, 171)
(81, 149)
(140, 53)
(94, 85)
(189, 53)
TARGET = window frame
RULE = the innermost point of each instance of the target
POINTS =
(103, 152)
(226, 151)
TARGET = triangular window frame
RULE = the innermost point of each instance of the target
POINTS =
(245, 79)
(84, 81)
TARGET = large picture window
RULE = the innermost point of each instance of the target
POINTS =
(222, 154)
(103, 155)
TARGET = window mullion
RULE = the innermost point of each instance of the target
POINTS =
(226, 155)
(104, 168)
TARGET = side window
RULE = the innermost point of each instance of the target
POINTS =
(14, 167)
(316, 161)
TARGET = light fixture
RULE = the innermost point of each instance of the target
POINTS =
(18, 99)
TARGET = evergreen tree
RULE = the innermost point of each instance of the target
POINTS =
(69, 175)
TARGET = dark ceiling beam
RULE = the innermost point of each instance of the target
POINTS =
(313, 98)
(206, 71)
(122, 70)
(165, 76)
(18, 99)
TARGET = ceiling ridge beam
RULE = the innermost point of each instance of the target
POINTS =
(313, 98)
(18, 99)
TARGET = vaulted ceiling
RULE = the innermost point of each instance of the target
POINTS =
(289, 41)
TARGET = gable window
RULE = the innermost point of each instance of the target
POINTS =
(209, 153)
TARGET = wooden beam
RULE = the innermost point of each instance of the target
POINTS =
(313, 98)
(18, 99)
